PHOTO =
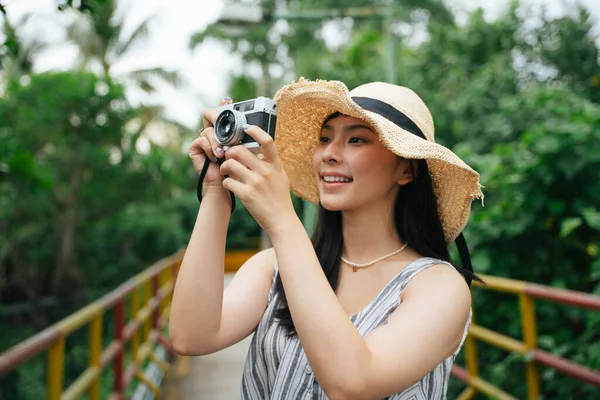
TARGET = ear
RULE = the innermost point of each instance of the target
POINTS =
(407, 171)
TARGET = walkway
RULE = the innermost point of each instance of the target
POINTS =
(215, 377)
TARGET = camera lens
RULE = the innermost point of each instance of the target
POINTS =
(228, 127)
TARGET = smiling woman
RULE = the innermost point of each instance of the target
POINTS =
(350, 159)
(372, 307)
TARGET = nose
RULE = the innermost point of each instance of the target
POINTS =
(333, 152)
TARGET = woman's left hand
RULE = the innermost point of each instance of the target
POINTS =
(261, 184)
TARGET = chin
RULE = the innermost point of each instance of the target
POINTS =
(334, 203)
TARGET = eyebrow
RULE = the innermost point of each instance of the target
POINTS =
(349, 128)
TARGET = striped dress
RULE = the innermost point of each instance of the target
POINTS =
(276, 367)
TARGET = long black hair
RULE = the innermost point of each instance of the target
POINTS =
(416, 220)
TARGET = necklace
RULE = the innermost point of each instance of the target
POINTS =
(356, 266)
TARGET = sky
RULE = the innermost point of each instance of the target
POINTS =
(207, 68)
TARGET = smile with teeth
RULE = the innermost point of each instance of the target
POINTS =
(336, 179)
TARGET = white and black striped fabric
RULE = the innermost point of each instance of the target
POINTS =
(277, 368)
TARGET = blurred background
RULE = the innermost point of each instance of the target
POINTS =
(100, 100)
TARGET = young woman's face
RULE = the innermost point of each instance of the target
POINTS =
(353, 167)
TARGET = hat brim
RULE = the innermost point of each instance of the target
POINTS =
(302, 108)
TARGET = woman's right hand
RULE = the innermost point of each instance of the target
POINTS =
(207, 146)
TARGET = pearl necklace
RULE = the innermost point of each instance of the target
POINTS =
(356, 266)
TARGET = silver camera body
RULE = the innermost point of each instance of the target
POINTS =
(228, 129)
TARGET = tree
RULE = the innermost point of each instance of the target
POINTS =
(17, 54)
(80, 5)
(66, 140)
(300, 48)
(530, 134)
(99, 38)
(567, 46)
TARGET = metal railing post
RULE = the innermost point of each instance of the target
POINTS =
(119, 362)
(471, 353)
(529, 338)
(95, 353)
(56, 367)
(156, 313)
(147, 285)
(135, 309)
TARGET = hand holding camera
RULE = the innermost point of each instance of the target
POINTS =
(260, 183)
(223, 128)
(207, 146)
(251, 168)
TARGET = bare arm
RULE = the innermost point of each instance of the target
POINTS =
(244, 301)
(205, 318)
(425, 329)
(346, 365)
(198, 295)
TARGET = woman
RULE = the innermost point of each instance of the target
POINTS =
(372, 308)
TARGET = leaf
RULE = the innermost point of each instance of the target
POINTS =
(144, 77)
(556, 207)
(592, 218)
(140, 32)
(595, 274)
(569, 225)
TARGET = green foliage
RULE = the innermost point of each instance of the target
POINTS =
(80, 5)
(520, 104)
(59, 131)
(87, 198)
(82, 208)
(567, 44)
(542, 195)
(99, 37)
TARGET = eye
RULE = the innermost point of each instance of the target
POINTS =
(324, 139)
(356, 140)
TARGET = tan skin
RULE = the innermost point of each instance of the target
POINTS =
(348, 146)
(205, 319)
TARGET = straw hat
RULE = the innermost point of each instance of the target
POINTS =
(404, 125)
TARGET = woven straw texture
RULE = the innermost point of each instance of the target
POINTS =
(302, 107)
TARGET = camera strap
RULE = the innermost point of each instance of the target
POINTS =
(201, 180)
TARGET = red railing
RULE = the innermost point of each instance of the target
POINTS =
(147, 296)
(527, 292)
(143, 331)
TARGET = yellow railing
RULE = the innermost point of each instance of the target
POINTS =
(527, 292)
(148, 298)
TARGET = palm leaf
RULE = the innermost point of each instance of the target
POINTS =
(81, 33)
(140, 32)
(19, 53)
(171, 77)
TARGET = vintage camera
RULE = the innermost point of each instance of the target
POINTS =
(260, 111)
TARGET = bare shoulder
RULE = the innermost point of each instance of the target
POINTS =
(263, 258)
(427, 327)
(440, 281)
(261, 262)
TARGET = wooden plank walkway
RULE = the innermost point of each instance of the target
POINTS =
(215, 376)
